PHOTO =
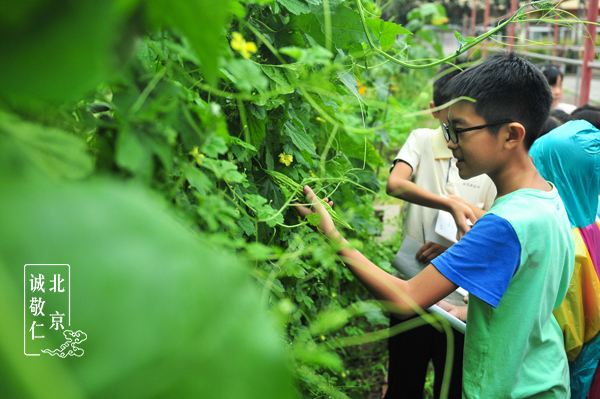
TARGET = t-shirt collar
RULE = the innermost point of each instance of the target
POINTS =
(439, 144)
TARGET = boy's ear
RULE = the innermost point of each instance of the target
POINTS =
(516, 135)
(436, 114)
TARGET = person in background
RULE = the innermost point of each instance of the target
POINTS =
(550, 124)
(562, 116)
(569, 157)
(588, 113)
(554, 76)
(422, 172)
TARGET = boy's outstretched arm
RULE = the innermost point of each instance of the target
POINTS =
(478, 212)
(399, 186)
(425, 289)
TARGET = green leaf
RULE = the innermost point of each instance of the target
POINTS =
(349, 80)
(258, 251)
(372, 311)
(317, 355)
(356, 145)
(462, 41)
(311, 56)
(235, 141)
(58, 52)
(346, 26)
(415, 13)
(386, 32)
(300, 138)
(164, 311)
(199, 180)
(223, 170)
(429, 9)
(54, 151)
(214, 145)
(131, 154)
(329, 320)
(263, 210)
(202, 21)
(247, 225)
(246, 75)
(257, 131)
(295, 6)
(278, 80)
(314, 219)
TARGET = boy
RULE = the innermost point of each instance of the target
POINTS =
(516, 261)
(422, 172)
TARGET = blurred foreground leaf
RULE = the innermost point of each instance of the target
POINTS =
(166, 315)
(59, 49)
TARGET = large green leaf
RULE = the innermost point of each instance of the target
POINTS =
(166, 314)
(296, 6)
(358, 147)
(278, 79)
(55, 151)
(349, 80)
(386, 32)
(59, 49)
(202, 21)
(295, 131)
(346, 26)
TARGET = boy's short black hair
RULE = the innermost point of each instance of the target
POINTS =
(561, 115)
(589, 115)
(551, 123)
(506, 86)
(551, 72)
(443, 76)
(587, 107)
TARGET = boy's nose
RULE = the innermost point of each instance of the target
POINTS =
(452, 145)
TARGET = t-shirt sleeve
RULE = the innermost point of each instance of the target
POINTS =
(411, 152)
(485, 260)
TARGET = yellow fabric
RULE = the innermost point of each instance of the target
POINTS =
(579, 314)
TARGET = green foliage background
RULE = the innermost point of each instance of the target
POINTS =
(134, 140)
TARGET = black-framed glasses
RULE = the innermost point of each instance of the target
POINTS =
(452, 132)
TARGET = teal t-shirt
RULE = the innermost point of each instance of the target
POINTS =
(516, 263)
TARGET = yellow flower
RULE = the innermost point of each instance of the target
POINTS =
(439, 21)
(320, 119)
(246, 49)
(197, 155)
(286, 159)
(333, 294)
(322, 338)
(343, 375)
(361, 89)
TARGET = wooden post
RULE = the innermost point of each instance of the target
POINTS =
(465, 21)
(486, 18)
(588, 53)
(511, 27)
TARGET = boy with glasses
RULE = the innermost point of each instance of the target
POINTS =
(516, 261)
(425, 176)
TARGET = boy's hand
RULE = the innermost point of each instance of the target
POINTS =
(326, 224)
(430, 251)
(461, 212)
(460, 312)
